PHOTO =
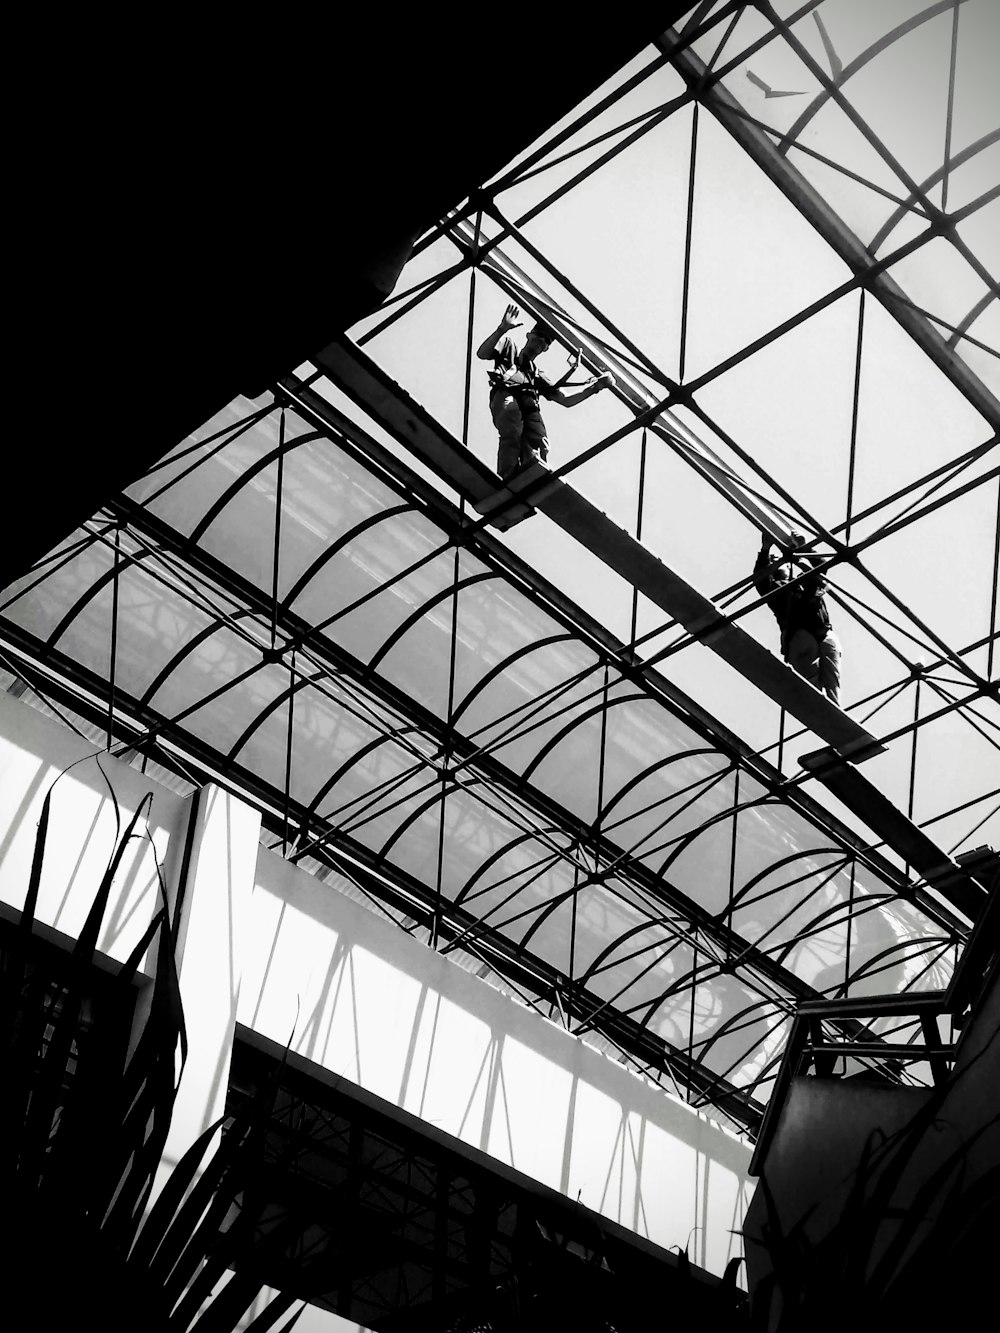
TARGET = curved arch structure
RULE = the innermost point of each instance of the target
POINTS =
(507, 713)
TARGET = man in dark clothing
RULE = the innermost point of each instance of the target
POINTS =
(808, 643)
(515, 387)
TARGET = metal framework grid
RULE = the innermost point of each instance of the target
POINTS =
(427, 1234)
(290, 606)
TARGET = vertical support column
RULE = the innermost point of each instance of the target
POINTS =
(852, 459)
(640, 505)
(688, 239)
(212, 907)
(996, 590)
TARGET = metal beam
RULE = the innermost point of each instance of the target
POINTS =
(629, 389)
(466, 754)
(945, 875)
(66, 681)
(834, 231)
(353, 1169)
(393, 408)
(533, 585)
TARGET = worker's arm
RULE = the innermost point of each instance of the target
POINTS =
(762, 569)
(511, 320)
(579, 395)
(812, 583)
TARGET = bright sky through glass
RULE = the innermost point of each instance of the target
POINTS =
(618, 237)
(452, 725)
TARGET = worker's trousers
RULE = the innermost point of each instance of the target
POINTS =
(521, 429)
(818, 660)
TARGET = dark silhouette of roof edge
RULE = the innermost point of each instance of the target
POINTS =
(199, 209)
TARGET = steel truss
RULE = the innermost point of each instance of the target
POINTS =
(426, 1234)
(322, 836)
(606, 343)
(494, 925)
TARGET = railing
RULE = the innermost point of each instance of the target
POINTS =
(812, 1046)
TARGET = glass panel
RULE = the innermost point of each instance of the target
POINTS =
(189, 480)
(381, 555)
(754, 267)
(39, 607)
(631, 114)
(630, 785)
(643, 968)
(496, 624)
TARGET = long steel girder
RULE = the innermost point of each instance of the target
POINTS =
(657, 416)
(941, 871)
(387, 403)
(584, 1006)
(730, 115)
(143, 730)
(317, 408)
(628, 388)
(404, 1227)
(950, 879)
(364, 381)
(476, 474)
(505, 507)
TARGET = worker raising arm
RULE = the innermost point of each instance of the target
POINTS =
(516, 385)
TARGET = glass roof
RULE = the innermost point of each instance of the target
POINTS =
(491, 736)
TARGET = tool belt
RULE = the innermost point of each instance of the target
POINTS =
(525, 395)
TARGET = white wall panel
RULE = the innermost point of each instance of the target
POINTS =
(362, 998)
(34, 751)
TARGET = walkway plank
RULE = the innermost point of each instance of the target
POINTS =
(535, 488)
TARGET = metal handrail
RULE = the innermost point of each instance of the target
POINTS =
(807, 1045)
(973, 976)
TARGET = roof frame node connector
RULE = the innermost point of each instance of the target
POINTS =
(773, 160)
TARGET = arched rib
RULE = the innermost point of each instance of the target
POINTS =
(452, 590)
(695, 833)
(906, 207)
(648, 771)
(859, 62)
(91, 591)
(186, 651)
(375, 743)
(563, 732)
(970, 318)
(739, 897)
(246, 477)
(335, 548)
(266, 712)
(528, 836)
(502, 666)
(610, 948)
(433, 799)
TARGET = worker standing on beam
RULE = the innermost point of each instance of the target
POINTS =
(516, 385)
(808, 643)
